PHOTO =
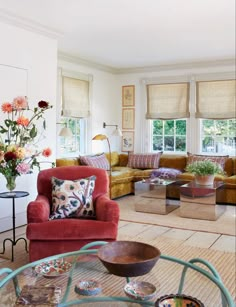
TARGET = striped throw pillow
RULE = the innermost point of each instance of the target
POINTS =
(95, 161)
(144, 161)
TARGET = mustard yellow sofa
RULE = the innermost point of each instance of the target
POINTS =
(123, 177)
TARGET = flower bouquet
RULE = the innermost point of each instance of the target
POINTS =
(19, 137)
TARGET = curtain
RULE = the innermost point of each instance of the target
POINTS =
(168, 101)
(75, 97)
(216, 99)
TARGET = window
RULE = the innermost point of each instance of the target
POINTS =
(74, 99)
(71, 145)
(209, 124)
(169, 135)
(218, 136)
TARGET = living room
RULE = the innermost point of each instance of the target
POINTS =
(32, 64)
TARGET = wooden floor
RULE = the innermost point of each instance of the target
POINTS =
(187, 237)
(150, 232)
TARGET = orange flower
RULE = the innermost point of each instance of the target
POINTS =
(1, 156)
(23, 121)
(47, 152)
(7, 107)
(20, 153)
(20, 103)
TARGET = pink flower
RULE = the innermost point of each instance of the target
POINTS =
(47, 152)
(20, 103)
(23, 168)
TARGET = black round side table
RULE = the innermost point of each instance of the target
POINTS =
(13, 195)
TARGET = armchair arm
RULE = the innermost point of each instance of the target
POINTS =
(106, 209)
(38, 210)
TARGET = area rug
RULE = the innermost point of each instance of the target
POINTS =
(226, 223)
(165, 275)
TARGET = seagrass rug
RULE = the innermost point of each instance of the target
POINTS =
(226, 223)
(165, 275)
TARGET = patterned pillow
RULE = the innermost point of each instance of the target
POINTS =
(95, 161)
(144, 161)
(166, 173)
(72, 198)
(217, 159)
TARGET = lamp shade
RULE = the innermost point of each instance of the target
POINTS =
(100, 137)
(117, 132)
(66, 132)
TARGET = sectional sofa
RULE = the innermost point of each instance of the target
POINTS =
(125, 174)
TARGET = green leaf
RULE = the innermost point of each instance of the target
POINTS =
(33, 132)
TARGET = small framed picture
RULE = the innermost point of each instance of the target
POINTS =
(128, 95)
(127, 140)
(128, 118)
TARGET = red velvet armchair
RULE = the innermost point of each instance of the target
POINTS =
(50, 237)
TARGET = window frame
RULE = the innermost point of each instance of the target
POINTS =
(174, 135)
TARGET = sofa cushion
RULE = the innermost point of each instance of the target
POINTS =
(121, 174)
(217, 159)
(67, 161)
(173, 161)
(99, 161)
(114, 158)
(123, 159)
(165, 172)
(72, 198)
(140, 174)
(144, 161)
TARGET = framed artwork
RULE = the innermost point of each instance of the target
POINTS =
(128, 95)
(128, 118)
(127, 140)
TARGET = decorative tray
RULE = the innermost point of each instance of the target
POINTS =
(53, 268)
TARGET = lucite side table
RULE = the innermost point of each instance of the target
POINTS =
(13, 195)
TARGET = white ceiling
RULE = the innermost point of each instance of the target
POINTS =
(123, 34)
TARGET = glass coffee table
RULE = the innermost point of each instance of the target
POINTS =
(63, 273)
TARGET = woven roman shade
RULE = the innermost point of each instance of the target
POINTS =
(168, 101)
(75, 97)
(216, 99)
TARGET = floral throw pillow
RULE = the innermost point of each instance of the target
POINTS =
(166, 173)
(72, 198)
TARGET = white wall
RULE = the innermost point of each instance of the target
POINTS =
(36, 56)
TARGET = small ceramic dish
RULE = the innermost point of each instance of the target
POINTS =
(176, 300)
(140, 290)
(53, 268)
(88, 287)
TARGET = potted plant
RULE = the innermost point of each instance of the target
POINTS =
(204, 171)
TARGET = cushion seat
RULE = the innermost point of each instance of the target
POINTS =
(71, 229)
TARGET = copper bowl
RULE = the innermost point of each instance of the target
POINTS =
(128, 258)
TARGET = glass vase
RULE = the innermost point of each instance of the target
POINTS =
(11, 183)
